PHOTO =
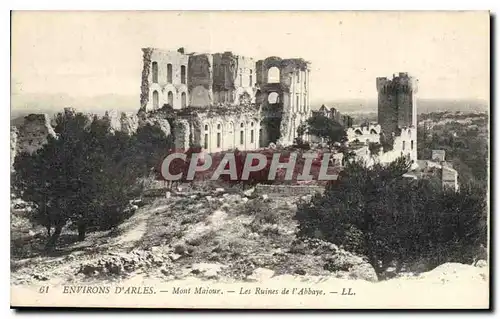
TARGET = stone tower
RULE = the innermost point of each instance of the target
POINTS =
(283, 92)
(397, 107)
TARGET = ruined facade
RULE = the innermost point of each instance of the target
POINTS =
(164, 79)
(227, 101)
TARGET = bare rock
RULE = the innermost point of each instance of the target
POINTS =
(249, 192)
(363, 271)
(261, 274)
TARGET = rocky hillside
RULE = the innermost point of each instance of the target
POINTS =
(225, 235)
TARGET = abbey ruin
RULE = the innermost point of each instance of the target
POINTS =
(224, 101)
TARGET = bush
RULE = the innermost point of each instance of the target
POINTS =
(391, 220)
(86, 175)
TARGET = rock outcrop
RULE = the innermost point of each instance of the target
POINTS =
(32, 133)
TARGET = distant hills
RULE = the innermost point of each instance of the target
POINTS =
(360, 106)
(23, 104)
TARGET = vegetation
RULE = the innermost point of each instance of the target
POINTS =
(395, 221)
(325, 127)
(465, 143)
(87, 175)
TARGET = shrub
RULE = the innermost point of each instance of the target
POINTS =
(391, 220)
(86, 175)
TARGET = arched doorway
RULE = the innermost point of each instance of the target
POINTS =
(171, 98)
(183, 100)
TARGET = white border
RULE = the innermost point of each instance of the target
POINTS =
(192, 5)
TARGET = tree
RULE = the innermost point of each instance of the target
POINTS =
(84, 177)
(392, 220)
(327, 128)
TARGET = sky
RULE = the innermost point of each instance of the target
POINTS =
(86, 54)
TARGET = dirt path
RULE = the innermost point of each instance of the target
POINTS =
(137, 226)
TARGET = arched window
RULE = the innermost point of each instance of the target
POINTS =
(183, 100)
(251, 133)
(183, 74)
(242, 133)
(205, 140)
(156, 100)
(273, 98)
(155, 72)
(404, 144)
(219, 135)
(273, 75)
(170, 98)
(411, 145)
(169, 73)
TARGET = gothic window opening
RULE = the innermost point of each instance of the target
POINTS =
(183, 74)
(155, 72)
(169, 73)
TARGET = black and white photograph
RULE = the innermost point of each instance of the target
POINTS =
(250, 159)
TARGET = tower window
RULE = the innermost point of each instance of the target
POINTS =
(241, 137)
(411, 145)
(218, 139)
(404, 142)
(206, 141)
(251, 136)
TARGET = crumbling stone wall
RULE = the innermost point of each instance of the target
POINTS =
(146, 70)
(234, 79)
(288, 190)
(158, 119)
(181, 133)
(200, 83)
